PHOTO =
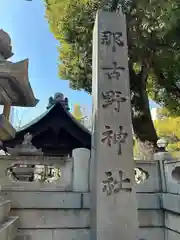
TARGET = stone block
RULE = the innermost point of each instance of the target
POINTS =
(50, 234)
(144, 200)
(35, 218)
(150, 218)
(148, 200)
(86, 200)
(171, 202)
(71, 234)
(172, 176)
(171, 235)
(152, 234)
(9, 228)
(38, 234)
(5, 207)
(152, 183)
(43, 200)
(172, 221)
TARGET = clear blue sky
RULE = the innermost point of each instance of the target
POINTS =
(31, 38)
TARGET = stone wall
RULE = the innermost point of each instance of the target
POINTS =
(159, 200)
(150, 213)
(171, 199)
(49, 211)
(61, 209)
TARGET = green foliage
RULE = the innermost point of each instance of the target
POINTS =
(143, 151)
(77, 113)
(153, 40)
(135, 148)
(168, 127)
(163, 113)
(72, 22)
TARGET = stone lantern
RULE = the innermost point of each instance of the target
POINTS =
(162, 154)
(162, 144)
(15, 89)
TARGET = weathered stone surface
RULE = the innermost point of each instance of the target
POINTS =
(171, 202)
(25, 148)
(151, 218)
(148, 200)
(49, 234)
(35, 218)
(86, 200)
(152, 234)
(162, 156)
(71, 234)
(38, 234)
(172, 221)
(62, 184)
(152, 184)
(43, 200)
(5, 45)
(5, 207)
(149, 213)
(6, 131)
(172, 180)
(16, 74)
(81, 158)
(112, 166)
(144, 200)
(9, 228)
(171, 235)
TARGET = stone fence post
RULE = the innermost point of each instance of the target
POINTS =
(162, 157)
(81, 158)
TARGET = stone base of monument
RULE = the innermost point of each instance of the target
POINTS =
(8, 225)
(6, 129)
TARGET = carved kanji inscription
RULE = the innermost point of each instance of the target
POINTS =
(112, 38)
(113, 97)
(114, 71)
(116, 182)
(110, 137)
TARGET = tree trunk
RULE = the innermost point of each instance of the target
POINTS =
(141, 116)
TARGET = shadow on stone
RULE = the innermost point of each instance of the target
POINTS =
(176, 174)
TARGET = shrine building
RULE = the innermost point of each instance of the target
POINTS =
(56, 131)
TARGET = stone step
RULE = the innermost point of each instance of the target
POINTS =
(52, 218)
(5, 207)
(8, 229)
(53, 234)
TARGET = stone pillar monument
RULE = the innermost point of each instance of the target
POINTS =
(114, 209)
